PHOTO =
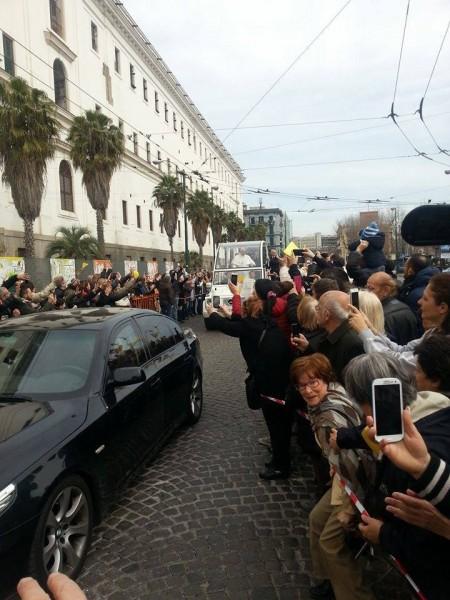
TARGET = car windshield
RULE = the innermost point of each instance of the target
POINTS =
(238, 256)
(45, 362)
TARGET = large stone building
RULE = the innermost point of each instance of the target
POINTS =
(90, 54)
(278, 225)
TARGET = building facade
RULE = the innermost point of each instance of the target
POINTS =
(317, 241)
(91, 55)
(278, 225)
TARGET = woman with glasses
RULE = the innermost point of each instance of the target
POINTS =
(329, 407)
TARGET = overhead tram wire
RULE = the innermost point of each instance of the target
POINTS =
(292, 64)
(419, 111)
(332, 135)
(331, 162)
(393, 115)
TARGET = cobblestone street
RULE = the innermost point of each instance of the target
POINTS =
(198, 522)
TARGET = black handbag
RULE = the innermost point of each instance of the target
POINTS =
(251, 389)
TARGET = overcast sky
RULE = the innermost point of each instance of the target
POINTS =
(227, 53)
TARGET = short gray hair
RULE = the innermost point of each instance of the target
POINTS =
(362, 370)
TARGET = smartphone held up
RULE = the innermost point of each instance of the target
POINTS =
(387, 409)
(354, 297)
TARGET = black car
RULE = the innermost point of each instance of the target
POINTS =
(85, 397)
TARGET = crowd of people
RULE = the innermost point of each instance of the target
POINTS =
(178, 294)
(312, 357)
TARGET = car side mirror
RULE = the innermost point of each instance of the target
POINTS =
(128, 376)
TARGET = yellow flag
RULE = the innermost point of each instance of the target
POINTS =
(84, 265)
(289, 250)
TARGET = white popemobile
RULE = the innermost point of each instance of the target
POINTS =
(240, 262)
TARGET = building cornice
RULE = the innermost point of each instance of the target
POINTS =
(125, 24)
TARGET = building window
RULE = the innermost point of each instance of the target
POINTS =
(135, 143)
(121, 126)
(157, 102)
(145, 89)
(138, 217)
(65, 186)
(175, 121)
(195, 142)
(159, 159)
(56, 20)
(8, 55)
(59, 80)
(182, 130)
(169, 167)
(166, 112)
(98, 108)
(200, 148)
(179, 229)
(161, 223)
(260, 219)
(117, 60)
(189, 137)
(147, 146)
(132, 77)
(94, 36)
(124, 212)
(252, 220)
(150, 219)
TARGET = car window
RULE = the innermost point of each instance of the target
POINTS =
(126, 348)
(45, 362)
(159, 334)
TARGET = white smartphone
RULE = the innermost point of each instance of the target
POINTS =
(387, 408)
(354, 297)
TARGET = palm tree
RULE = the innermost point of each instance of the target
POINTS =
(28, 132)
(97, 150)
(169, 196)
(195, 262)
(234, 227)
(73, 242)
(198, 210)
(217, 217)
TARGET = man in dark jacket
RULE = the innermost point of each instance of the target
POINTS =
(341, 344)
(274, 264)
(399, 321)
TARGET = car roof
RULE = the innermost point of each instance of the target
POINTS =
(85, 318)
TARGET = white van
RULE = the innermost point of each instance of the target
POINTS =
(246, 261)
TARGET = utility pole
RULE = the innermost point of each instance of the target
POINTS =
(395, 232)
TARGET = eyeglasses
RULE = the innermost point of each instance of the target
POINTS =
(312, 385)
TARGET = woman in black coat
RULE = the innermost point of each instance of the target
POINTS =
(266, 351)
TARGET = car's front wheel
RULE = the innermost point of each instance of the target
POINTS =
(64, 531)
(195, 406)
